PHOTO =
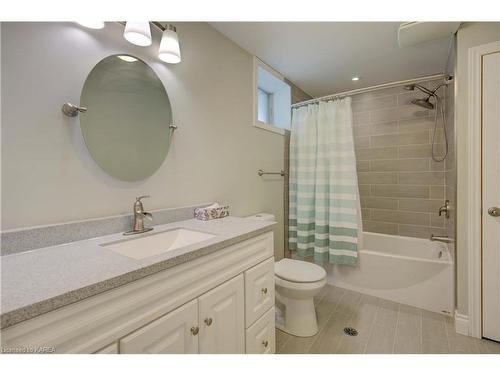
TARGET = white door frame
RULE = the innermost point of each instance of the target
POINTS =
(474, 217)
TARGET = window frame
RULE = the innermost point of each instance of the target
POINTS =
(256, 123)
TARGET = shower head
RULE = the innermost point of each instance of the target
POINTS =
(421, 88)
(424, 103)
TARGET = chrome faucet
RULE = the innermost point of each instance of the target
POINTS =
(139, 216)
(445, 209)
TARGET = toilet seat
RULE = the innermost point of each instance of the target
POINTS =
(298, 271)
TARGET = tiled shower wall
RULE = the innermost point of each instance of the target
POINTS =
(450, 175)
(401, 187)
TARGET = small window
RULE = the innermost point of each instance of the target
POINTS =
(265, 106)
(273, 99)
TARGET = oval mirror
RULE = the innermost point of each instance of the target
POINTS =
(126, 126)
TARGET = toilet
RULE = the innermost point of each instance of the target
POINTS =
(297, 283)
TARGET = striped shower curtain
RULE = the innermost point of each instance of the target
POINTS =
(324, 199)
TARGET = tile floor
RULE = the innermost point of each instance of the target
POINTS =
(383, 326)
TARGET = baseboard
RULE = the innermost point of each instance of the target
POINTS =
(461, 324)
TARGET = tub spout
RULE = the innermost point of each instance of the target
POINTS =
(441, 239)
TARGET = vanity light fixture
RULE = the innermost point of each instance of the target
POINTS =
(355, 78)
(92, 24)
(138, 33)
(169, 46)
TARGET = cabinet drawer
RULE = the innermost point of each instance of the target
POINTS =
(259, 290)
(260, 337)
(170, 334)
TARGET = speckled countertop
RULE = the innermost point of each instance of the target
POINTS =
(38, 281)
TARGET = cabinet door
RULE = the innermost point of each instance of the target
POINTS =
(259, 290)
(174, 333)
(222, 321)
(260, 337)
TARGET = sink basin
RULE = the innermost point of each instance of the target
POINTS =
(156, 243)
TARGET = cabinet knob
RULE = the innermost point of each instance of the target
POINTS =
(264, 290)
(195, 330)
(265, 343)
(208, 321)
(494, 211)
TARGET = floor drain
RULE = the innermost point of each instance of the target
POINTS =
(349, 331)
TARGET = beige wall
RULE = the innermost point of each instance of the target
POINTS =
(401, 187)
(469, 35)
(48, 175)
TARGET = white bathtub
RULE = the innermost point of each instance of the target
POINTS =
(407, 270)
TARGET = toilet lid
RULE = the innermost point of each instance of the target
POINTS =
(298, 271)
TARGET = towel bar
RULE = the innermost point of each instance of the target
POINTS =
(260, 172)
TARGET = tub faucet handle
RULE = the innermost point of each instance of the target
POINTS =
(445, 209)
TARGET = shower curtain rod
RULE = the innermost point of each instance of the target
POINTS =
(371, 88)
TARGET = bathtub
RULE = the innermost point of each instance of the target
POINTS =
(407, 270)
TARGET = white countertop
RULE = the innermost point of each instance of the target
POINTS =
(37, 281)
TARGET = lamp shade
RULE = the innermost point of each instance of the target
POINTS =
(138, 33)
(170, 51)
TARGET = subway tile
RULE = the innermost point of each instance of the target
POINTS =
(375, 129)
(379, 93)
(376, 153)
(416, 125)
(374, 103)
(363, 166)
(399, 113)
(379, 227)
(420, 205)
(421, 178)
(375, 202)
(365, 213)
(399, 139)
(414, 151)
(436, 166)
(362, 142)
(377, 178)
(419, 231)
(400, 217)
(364, 190)
(400, 165)
(436, 220)
(360, 118)
(437, 192)
(400, 191)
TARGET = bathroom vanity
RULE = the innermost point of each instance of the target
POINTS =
(212, 296)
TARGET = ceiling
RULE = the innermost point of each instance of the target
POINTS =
(322, 57)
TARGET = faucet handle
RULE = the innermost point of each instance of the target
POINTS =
(138, 199)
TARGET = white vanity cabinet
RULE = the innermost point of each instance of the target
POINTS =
(174, 333)
(222, 302)
(222, 319)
